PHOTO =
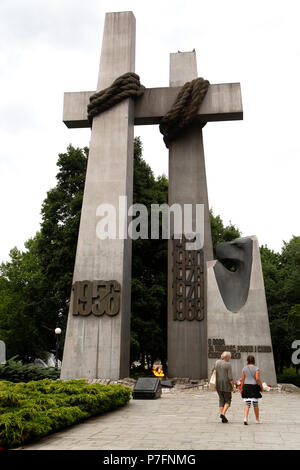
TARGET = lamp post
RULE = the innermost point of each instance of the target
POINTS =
(57, 331)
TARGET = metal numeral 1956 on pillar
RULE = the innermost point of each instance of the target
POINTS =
(96, 297)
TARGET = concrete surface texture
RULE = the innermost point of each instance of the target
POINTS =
(234, 286)
(249, 327)
(187, 340)
(223, 102)
(187, 420)
(99, 346)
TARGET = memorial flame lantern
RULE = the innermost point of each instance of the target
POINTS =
(158, 371)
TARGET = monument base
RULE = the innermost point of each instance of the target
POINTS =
(241, 332)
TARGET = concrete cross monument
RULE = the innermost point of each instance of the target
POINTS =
(98, 330)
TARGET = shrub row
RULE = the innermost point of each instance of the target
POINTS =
(15, 371)
(31, 410)
(289, 379)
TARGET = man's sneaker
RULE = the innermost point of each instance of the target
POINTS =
(224, 419)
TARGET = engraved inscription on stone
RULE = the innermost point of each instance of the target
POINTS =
(188, 282)
(96, 297)
(145, 384)
(217, 345)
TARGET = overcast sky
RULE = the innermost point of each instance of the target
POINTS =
(51, 46)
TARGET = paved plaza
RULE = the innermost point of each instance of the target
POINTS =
(185, 419)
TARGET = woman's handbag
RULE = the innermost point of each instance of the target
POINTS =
(213, 380)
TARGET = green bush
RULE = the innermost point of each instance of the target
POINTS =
(31, 410)
(15, 371)
(289, 376)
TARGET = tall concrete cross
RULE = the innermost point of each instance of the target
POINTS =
(98, 330)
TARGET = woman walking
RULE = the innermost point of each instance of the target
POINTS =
(251, 387)
(224, 383)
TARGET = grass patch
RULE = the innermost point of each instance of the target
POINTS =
(31, 410)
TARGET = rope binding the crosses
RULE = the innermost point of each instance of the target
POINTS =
(126, 86)
(182, 114)
(184, 110)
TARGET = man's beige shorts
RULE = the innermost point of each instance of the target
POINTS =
(224, 397)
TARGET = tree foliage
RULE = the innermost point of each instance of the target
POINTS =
(35, 284)
(60, 223)
(221, 233)
(149, 270)
(25, 305)
(282, 280)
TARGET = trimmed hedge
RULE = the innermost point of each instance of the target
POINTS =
(289, 379)
(15, 371)
(31, 410)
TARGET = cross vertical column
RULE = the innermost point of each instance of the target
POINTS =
(98, 345)
(187, 339)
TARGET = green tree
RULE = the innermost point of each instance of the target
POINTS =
(282, 279)
(35, 284)
(149, 271)
(221, 233)
(273, 280)
(60, 223)
(290, 258)
(24, 306)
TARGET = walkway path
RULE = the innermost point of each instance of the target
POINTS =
(188, 420)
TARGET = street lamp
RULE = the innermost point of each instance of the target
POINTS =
(57, 331)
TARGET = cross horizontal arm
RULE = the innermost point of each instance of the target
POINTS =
(223, 102)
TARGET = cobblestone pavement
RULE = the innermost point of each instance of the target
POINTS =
(185, 419)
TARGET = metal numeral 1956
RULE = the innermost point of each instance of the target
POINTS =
(96, 297)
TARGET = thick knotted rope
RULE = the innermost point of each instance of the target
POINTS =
(126, 86)
(182, 114)
(184, 110)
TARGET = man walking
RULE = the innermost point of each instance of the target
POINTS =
(224, 383)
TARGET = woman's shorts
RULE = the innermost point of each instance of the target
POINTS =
(254, 401)
(224, 397)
